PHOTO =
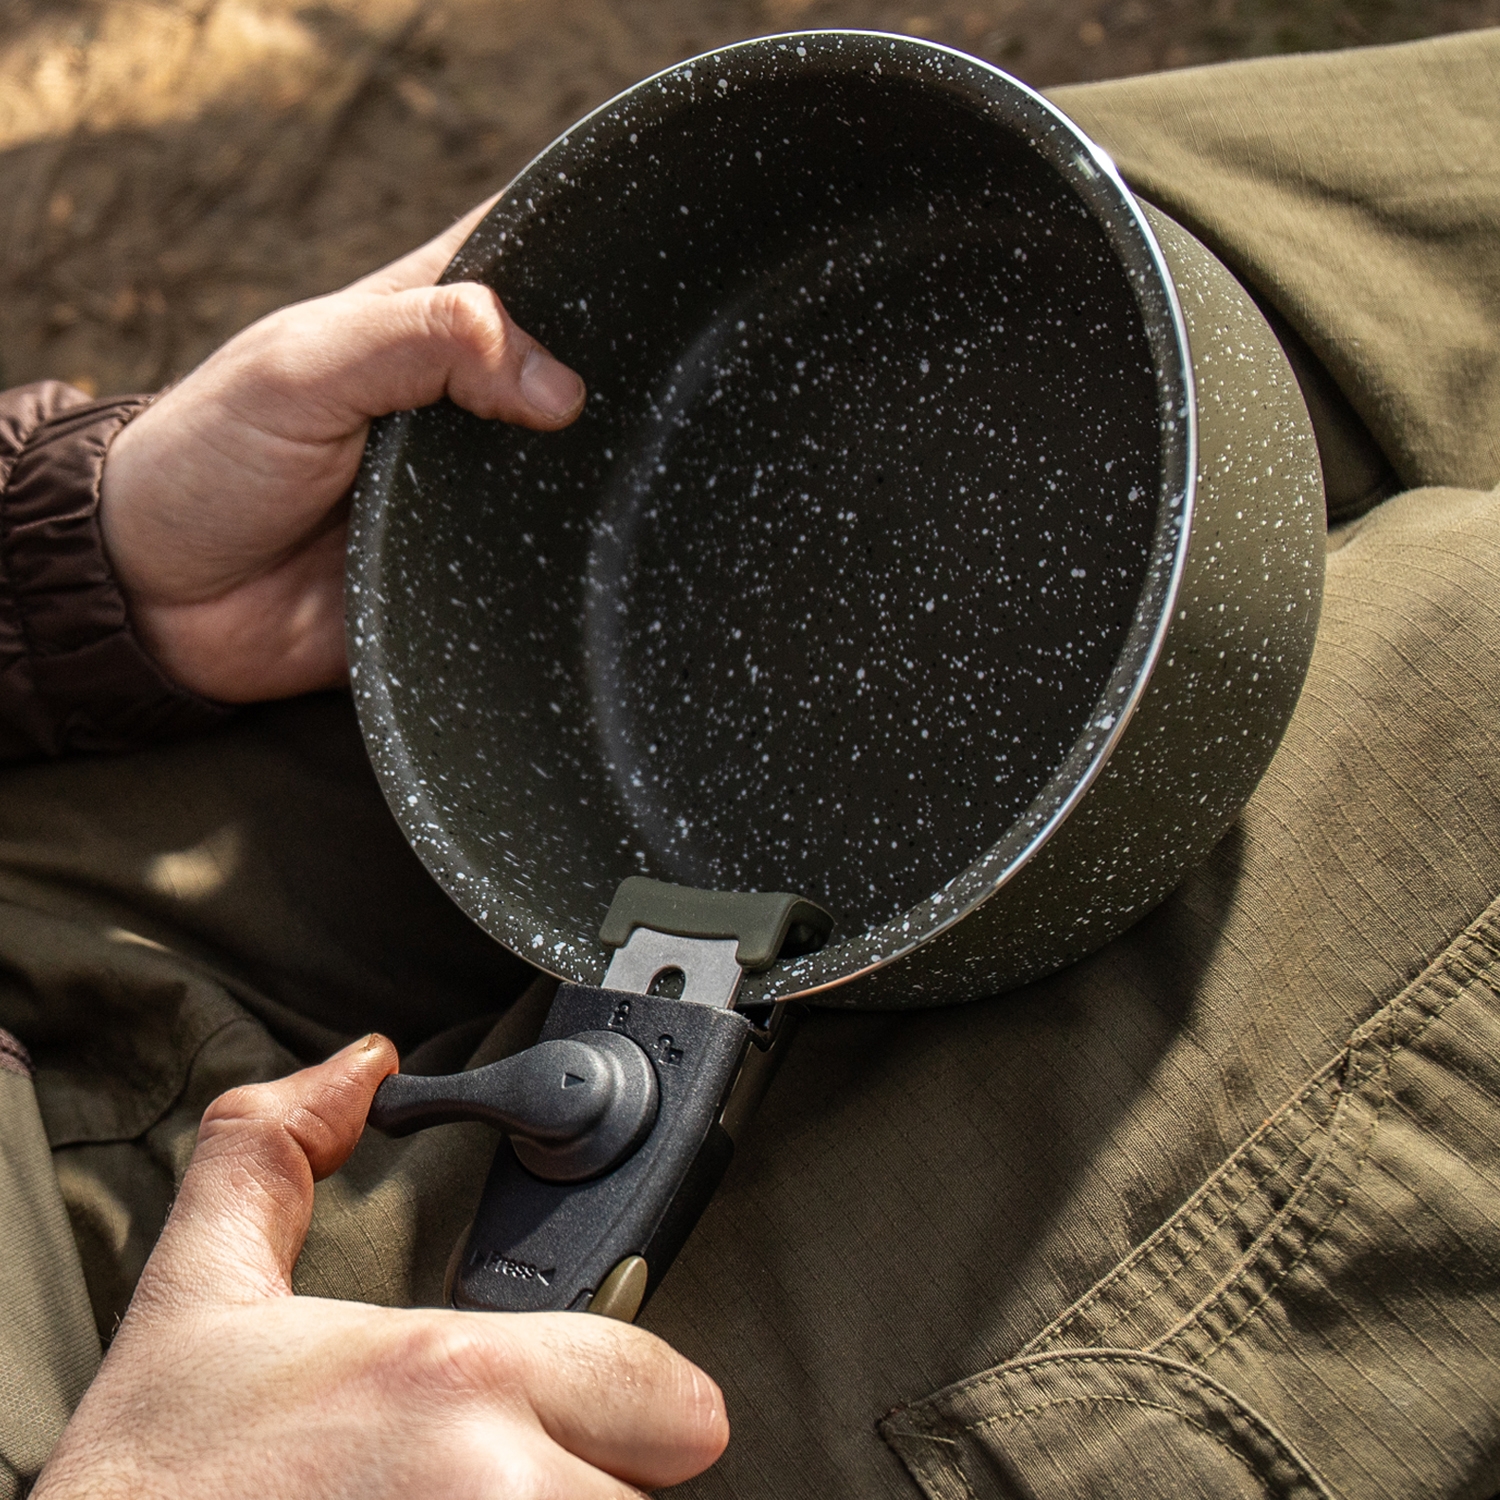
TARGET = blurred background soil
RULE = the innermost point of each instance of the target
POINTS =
(170, 169)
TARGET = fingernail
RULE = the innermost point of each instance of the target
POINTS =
(549, 385)
(363, 1044)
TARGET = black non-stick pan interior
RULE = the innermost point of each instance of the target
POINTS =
(840, 564)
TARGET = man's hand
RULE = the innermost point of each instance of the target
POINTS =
(222, 504)
(222, 1384)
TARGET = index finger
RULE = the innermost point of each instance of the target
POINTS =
(423, 266)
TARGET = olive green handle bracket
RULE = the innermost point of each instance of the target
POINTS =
(766, 925)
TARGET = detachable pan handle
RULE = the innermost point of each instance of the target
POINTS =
(591, 1197)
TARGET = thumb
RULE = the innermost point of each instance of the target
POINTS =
(321, 369)
(239, 1221)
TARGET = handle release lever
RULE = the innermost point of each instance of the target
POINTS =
(573, 1108)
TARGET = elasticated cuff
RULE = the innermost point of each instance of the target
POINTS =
(14, 1058)
(73, 675)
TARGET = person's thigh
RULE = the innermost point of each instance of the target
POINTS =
(265, 853)
(1352, 193)
(210, 912)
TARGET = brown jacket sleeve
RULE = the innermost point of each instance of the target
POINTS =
(72, 674)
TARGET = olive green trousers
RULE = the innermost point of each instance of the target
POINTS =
(1214, 1213)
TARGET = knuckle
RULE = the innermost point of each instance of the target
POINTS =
(245, 1105)
(272, 345)
(449, 1356)
(472, 316)
(677, 1389)
(519, 1473)
(658, 1365)
(244, 1122)
(707, 1415)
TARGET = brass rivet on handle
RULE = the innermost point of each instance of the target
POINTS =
(622, 1291)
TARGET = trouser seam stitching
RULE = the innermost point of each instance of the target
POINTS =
(1211, 1190)
(1236, 1173)
(1228, 1414)
(929, 1424)
(1372, 1039)
(1387, 1050)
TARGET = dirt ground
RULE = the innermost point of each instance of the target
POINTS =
(170, 169)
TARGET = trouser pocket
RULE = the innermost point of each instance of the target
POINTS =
(1096, 1422)
(1323, 1315)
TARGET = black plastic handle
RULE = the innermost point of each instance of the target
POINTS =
(639, 1083)
(538, 1246)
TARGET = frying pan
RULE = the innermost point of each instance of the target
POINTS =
(941, 541)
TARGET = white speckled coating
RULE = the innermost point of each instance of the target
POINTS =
(864, 551)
